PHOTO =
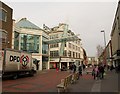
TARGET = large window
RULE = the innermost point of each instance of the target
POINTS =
(16, 40)
(69, 45)
(54, 45)
(70, 54)
(76, 55)
(73, 54)
(44, 46)
(65, 53)
(73, 47)
(3, 15)
(54, 53)
(30, 43)
(79, 55)
(3, 39)
(65, 44)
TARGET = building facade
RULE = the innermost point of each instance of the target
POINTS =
(73, 52)
(115, 38)
(5, 26)
(108, 54)
(29, 37)
(92, 61)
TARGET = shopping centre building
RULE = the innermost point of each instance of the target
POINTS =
(29, 37)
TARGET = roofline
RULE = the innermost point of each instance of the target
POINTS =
(30, 22)
(6, 5)
(115, 18)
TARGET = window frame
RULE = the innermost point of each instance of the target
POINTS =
(5, 20)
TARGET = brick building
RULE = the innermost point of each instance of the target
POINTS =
(5, 26)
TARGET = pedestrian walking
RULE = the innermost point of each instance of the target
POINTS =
(37, 65)
(101, 71)
(70, 68)
(80, 70)
(74, 68)
(57, 69)
(83, 66)
(111, 67)
(108, 67)
(95, 72)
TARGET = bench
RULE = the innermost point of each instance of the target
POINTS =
(69, 79)
(75, 77)
(64, 83)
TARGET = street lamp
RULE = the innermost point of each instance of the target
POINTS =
(105, 46)
(104, 38)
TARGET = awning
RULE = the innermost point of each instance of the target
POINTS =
(63, 39)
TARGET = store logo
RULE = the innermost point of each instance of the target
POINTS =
(24, 60)
(14, 58)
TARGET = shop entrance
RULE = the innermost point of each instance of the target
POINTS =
(54, 65)
(64, 64)
(44, 62)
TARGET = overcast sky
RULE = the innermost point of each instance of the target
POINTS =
(84, 18)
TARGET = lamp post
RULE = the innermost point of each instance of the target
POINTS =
(105, 47)
(104, 38)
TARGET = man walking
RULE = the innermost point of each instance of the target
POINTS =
(101, 70)
(80, 70)
(74, 68)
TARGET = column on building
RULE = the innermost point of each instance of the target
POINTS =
(48, 67)
(67, 65)
(60, 64)
(40, 42)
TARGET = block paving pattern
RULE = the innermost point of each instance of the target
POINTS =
(44, 81)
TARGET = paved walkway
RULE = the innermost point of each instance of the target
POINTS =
(43, 81)
(111, 82)
(88, 84)
(46, 81)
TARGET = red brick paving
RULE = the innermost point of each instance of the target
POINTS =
(26, 86)
(41, 82)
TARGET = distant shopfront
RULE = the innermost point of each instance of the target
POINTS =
(54, 62)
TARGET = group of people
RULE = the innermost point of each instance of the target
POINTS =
(73, 67)
(98, 71)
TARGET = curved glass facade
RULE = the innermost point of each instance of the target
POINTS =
(27, 42)
(44, 46)
(30, 43)
(16, 41)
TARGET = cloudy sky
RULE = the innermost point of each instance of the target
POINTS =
(84, 18)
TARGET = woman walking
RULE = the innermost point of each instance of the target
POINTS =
(95, 72)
